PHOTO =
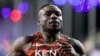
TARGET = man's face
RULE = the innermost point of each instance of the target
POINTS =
(50, 17)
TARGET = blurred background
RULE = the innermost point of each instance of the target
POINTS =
(81, 21)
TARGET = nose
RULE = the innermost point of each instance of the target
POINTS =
(53, 16)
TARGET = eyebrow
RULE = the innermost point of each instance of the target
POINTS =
(53, 12)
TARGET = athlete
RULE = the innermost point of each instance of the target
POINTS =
(49, 41)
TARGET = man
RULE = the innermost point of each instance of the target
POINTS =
(49, 41)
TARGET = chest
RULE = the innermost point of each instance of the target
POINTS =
(40, 49)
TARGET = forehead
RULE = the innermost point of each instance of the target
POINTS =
(50, 8)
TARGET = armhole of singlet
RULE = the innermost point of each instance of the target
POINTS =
(31, 43)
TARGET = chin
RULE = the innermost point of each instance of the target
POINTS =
(54, 29)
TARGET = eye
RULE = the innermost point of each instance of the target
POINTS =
(58, 14)
(47, 14)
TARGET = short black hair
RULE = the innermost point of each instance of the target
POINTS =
(45, 5)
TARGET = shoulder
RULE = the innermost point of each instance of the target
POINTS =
(17, 47)
(19, 42)
(78, 46)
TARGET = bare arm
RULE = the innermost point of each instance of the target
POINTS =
(17, 53)
(17, 48)
(77, 45)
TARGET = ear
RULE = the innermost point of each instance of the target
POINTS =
(38, 22)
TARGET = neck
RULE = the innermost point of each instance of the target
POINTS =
(50, 35)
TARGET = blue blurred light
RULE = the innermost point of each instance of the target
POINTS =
(2, 52)
(78, 9)
(93, 2)
(82, 7)
(60, 2)
(85, 6)
(23, 7)
(98, 3)
(5, 12)
(74, 2)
